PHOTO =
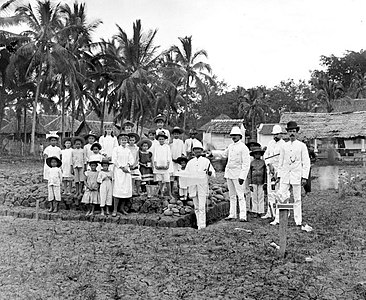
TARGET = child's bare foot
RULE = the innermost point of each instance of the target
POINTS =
(87, 214)
(107, 212)
(124, 212)
(50, 209)
(114, 214)
(102, 213)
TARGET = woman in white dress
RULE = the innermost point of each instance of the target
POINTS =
(108, 141)
(122, 159)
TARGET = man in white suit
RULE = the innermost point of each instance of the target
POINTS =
(294, 167)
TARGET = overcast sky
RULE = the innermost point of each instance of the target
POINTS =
(249, 42)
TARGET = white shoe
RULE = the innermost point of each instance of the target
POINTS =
(265, 217)
(274, 223)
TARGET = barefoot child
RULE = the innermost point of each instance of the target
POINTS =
(135, 171)
(160, 121)
(122, 159)
(51, 150)
(54, 182)
(257, 178)
(177, 150)
(104, 179)
(145, 163)
(183, 187)
(198, 169)
(66, 168)
(91, 194)
(78, 159)
(162, 162)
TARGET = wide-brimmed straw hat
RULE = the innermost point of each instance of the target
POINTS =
(236, 131)
(123, 133)
(91, 133)
(52, 134)
(161, 133)
(49, 159)
(292, 125)
(179, 160)
(257, 149)
(144, 141)
(78, 138)
(276, 129)
(66, 139)
(197, 144)
(128, 123)
(135, 135)
(160, 117)
(192, 131)
(94, 162)
(177, 129)
(253, 143)
(105, 161)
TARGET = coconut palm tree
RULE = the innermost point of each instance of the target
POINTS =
(252, 107)
(358, 85)
(191, 71)
(326, 90)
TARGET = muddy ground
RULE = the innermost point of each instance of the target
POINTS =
(82, 260)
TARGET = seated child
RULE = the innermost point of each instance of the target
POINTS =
(91, 194)
(104, 179)
(145, 162)
(54, 182)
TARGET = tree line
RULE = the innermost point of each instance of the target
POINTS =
(54, 67)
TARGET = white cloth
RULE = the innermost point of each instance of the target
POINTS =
(238, 163)
(188, 144)
(237, 190)
(162, 157)
(66, 163)
(197, 169)
(167, 133)
(294, 162)
(296, 190)
(122, 185)
(105, 188)
(177, 150)
(54, 176)
(108, 143)
(54, 193)
(50, 151)
(87, 152)
(257, 198)
(95, 157)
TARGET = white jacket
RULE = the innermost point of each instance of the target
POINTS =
(273, 148)
(238, 163)
(294, 162)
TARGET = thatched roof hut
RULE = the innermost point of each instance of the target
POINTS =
(55, 125)
(12, 127)
(345, 125)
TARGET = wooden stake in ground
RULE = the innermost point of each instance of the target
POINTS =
(283, 212)
(37, 209)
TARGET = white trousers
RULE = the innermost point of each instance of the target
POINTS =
(235, 189)
(296, 190)
(271, 198)
(257, 198)
(198, 193)
(54, 193)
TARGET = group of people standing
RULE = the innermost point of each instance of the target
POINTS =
(109, 170)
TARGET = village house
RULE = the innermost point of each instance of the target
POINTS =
(216, 133)
(264, 134)
(346, 131)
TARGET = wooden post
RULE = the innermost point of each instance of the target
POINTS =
(37, 209)
(284, 209)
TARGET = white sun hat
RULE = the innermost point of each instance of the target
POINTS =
(197, 144)
(236, 130)
(52, 134)
(276, 129)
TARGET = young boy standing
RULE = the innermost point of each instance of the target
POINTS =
(160, 121)
(198, 169)
(188, 143)
(177, 150)
(104, 179)
(51, 150)
(163, 166)
(135, 171)
(54, 182)
(91, 138)
(257, 178)
(78, 160)
(183, 184)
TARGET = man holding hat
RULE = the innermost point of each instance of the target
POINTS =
(272, 157)
(293, 170)
(236, 172)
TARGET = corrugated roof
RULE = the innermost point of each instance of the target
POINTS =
(223, 126)
(328, 125)
(12, 127)
(55, 125)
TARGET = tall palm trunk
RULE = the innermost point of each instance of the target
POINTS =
(62, 87)
(132, 112)
(35, 103)
(72, 95)
(25, 124)
(103, 109)
(186, 105)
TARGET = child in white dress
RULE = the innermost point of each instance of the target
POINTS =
(108, 141)
(91, 194)
(96, 156)
(51, 150)
(177, 149)
(122, 160)
(135, 170)
(66, 168)
(54, 182)
(104, 179)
